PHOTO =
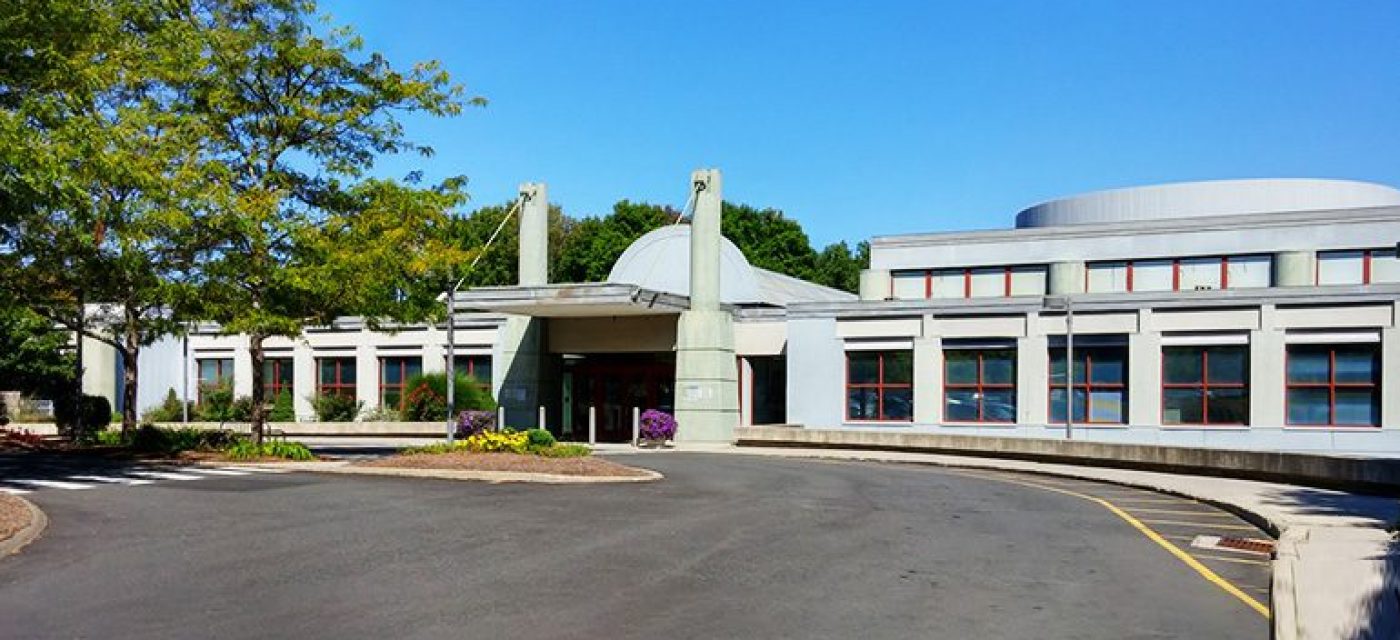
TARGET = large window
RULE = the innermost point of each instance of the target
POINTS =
(880, 385)
(1334, 385)
(979, 282)
(1179, 274)
(1360, 266)
(394, 372)
(213, 373)
(979, 384)
(476, 367)
(277, 377)
(1205, 385)
(1100, 384)
(335, 377)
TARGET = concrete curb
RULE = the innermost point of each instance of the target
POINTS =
(38, 521)
(1293, 616)
(493, 477)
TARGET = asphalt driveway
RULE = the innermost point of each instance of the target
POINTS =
(727, 546)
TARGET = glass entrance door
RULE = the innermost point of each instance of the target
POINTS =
(614, 385)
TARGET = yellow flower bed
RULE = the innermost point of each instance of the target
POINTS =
(497, 441)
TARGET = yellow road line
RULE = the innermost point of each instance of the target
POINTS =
(1155, 500)
(1208, 525)
(1264, 563)
(1186, 558)
(1182, 512)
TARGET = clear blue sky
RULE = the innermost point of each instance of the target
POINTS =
(868, 118)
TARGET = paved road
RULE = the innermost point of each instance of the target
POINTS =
(727, 546)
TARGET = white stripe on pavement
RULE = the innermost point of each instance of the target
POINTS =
(53, 484)
(165, 475)
(219, 472)
(113, 480)
(14, 492)
(255, 469)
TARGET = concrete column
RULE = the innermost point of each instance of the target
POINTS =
(101, 370)
(874, 284)
(534, 235)
(1145, 373)
(367, 376)
(816, 373)
(928, 378)
(435, 350)
(243, 368)
(1066, 278)
(1033, 374)
(1390, 385)
(707, 391)
(303, 381)
(1295, 269)
(1266, 371)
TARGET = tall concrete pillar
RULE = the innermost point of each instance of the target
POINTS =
(1294, 269)
(518, 356)
(1267, 364)
(707, 392)
(874, 284)
(1066, 278)
(1145, 373)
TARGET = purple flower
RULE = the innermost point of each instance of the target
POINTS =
(658, 425)
(470, 423)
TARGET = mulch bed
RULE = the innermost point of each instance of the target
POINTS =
(14, 515)
(520, 463)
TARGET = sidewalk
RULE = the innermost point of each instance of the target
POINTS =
(1337, 571)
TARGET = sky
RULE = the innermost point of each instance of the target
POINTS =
(879, 117)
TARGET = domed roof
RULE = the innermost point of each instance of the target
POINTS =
(660, 261)
(1208, 199)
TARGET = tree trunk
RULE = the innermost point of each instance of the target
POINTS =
(255, 350)
(131, 353)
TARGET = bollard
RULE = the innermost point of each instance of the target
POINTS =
(500, 417)
(540, 424)
(636, 426)
(592, 425)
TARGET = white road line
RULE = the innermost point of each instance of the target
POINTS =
(53, 484)
(219, 472)
(254, 469)
(165, 475)
(113, 480)
(13, 491)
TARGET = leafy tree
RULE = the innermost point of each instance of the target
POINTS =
(769, 239)
(33, 355)
(839, 268)
(500, 265)
(593, 245)
(297, 120)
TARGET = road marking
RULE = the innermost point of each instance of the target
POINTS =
(53, 484)
(1264, 563)
(13, 491)
(254, 469)
(1154, 500)
(219, 472)
(1186, 558)
(1207, 525)
(1178, 512)
(135, 482)
(165, 475)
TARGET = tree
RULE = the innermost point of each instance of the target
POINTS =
(298, 119)
(500, 265)
(837, 267)
(33, 358)
(593, 245)
(769, 240)
(101, 168)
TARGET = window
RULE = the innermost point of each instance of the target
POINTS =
(214, 373)
(1205, 385)
(979, 385)
(880, 385)
(1179, 274)
(476, 367)
(335, 377)
(277, 377)
(394, 372)
(1333, 385)
(1361, 266)
(980, 282)
(1100, 384)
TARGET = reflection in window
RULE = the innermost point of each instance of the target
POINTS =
(1333, 385)
(1100, 392)
(880, 385)
(979, 385)
(1205, 385)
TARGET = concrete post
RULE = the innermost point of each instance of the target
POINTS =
(500, 417)
(1066, 278)
(874, 284)
(534, 235)
(1294, 269)
(707, 386)
(541, 424)
(636, 425)
(592, 424)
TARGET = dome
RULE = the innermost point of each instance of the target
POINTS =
(660, 261)
(1208, 199)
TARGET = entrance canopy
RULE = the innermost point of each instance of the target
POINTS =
(599, 299)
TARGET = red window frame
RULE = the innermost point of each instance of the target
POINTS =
(1331, 385)
(220, 376)
(981, 386)
(879, 386)
(1366, 257)
(336, 387)
(967, 278)
(1176, 269)
(1205, 385)
(1088, 386)
(272, 385)
(402, 385)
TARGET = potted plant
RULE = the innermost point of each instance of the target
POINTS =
(657, 427)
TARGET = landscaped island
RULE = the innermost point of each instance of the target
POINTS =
(532, 451)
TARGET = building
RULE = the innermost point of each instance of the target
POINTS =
(1254, 314)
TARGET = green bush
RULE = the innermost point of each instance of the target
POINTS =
(110, 438)
(247, 450)
(152, 439)
(565, 451)
(169, 410)
(282, 408)
(538, 439)
(426, 399)
(216, 403)
(333, 408)
(85, 417)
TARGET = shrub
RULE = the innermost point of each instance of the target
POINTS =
(382, 414)
(83, 418)
(427, 397)
(566, 451)
(470, 423)
(247, 450)
(217, 404)
(152, 439)
(334, 408)
(169, 409)
(657, 425)
(282, 408)
(538, 439)
(110, 438)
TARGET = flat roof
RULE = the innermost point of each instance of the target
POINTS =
(586, 300)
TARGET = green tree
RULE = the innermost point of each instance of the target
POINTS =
(593, 245)
(500, 265)
(298, 119)
(769, 240)
(839, 268)
(33, 357)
